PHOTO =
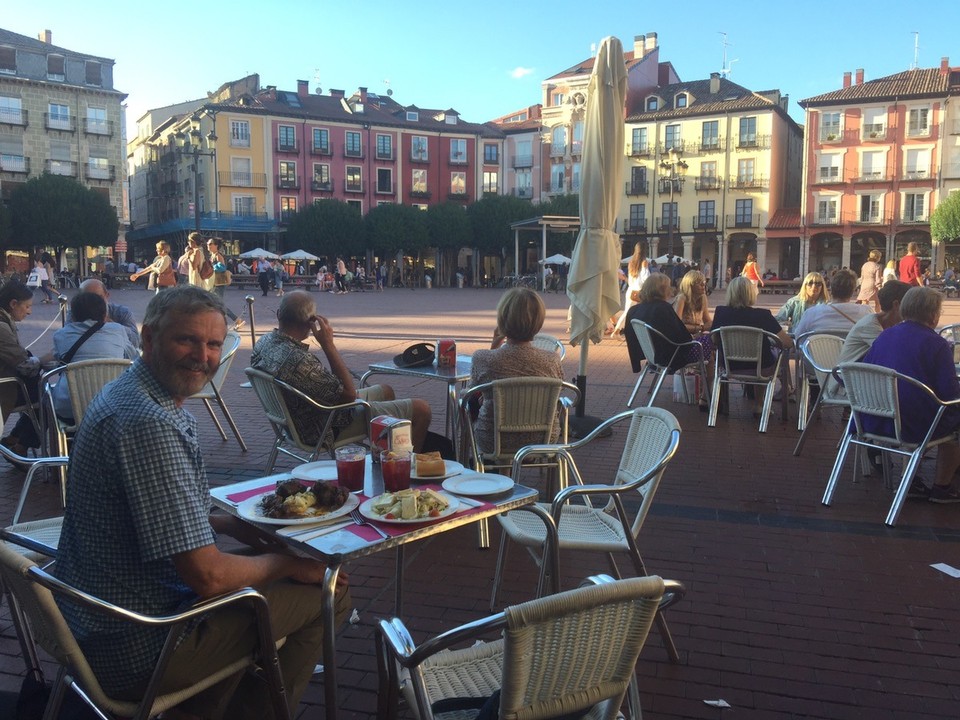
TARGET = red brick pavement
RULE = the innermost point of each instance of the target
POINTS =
(793, 610)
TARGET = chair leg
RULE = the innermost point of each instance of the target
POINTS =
(803, 418)
(231, 423)
(908, 472)
(806, 425)
(223, 435)
(767, 405)
(656, 388)
(835, 472)
(498, 573)
(714, 402)
(636, 388)
(272, 458)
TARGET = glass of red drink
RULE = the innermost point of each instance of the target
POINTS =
(395, 465)
(351, 464)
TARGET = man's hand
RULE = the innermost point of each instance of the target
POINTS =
(322, 331)
(311, 572)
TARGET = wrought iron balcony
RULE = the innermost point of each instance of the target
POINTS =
(287, 146)
(229, 178)
(743, 221)
(828, 179)
(712, 145)
(666, 182)
(13, 116)
(64, 124)
(522, 161)
(321, 149)
(640, 187)
(17, 164)
(419, 156)
(423, 194)
(240, 141)
(352, 187)
(288, 183)
(98, 127)
(576, 147)
(386, 155)
(753, 142)
(915, 175)
(871, 177)
(664, 148)
(640, 150)
(874, 131)
(749, 182)
(318, 186)
(67, 168)
(663, 224)
(828, 219)
(917, 130)
(523, 192)
(386, 188)
(635, 225)
(704, 222)
(458, 195)
(558, 149)
(93, 171)
(708, 184)
(870, 218)
(914, 218)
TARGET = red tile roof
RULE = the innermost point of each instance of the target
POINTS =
(785, 219)
(920, 82)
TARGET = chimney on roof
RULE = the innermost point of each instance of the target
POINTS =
(363, 94)
(638, 49)
(944, 65)
(714, 83)
(303, 88)
(650, 43)
(858, 77)
(846, 79)
(336, 93)
(45, 36)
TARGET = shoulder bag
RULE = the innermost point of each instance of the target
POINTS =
(167, 278)
(68, 355)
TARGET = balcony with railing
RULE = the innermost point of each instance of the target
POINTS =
(871, 177)
(637, 187)
(420, 194)
(711, 146)
(558, 149)
(869, 217)
(458, 158)
(753, 142)
(458, 195)
(525, 192)
(352, 186)
(741, 220)
(914, 218)
(242, 141)
(830, 218)
(58, 122)
(704, 222)
(320, 186)
(229, 178)
(664, 221)
(708, 184)
(386, 155)
(749, 182)
(635, 225)
(665, 184)
(290, 182)
(286, 216)
(833, 135)
(640, 150)
(576, 147)
(664, 148)
(910, 175)
(419, 156)
(321, 149)
(287, 145)
(829, 178)
(96, 171)
(103, 128)
(918, 130)
(16, 117)
(522, 161)
(874, 131)
(386, 188)
(66, 168)
(16, 164)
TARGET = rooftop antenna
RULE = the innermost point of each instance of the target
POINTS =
(725, 70)
(316, 81)
(386, 81)
(916, 50)
(593, 48)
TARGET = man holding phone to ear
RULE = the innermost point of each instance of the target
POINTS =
(284, 354)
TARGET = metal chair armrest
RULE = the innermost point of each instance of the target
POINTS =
(28, 542)
(409, 655)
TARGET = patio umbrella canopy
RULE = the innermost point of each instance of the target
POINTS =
(556, 260)
(592, 285)
(298, 255)
(663, 259)
(258, 253)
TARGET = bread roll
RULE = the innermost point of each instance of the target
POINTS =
(430, 464)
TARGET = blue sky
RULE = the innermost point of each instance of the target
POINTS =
(483, 59)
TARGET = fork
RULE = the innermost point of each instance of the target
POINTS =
(361, 520)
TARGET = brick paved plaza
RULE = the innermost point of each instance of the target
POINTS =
(793, 610)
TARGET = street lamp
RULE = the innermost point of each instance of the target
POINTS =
(192, 144)
(677, 168)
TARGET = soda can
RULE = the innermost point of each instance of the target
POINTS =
(446, 353)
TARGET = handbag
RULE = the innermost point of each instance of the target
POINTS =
(206, 270)
(167, 278)
(33, 279)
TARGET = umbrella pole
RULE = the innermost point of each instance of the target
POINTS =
(582, 424)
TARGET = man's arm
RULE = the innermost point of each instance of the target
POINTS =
(324, 335)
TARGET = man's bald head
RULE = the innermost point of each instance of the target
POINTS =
(94, 286)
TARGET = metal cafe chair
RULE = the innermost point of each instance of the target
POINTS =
(211, 391)
(743, 345)
(649, 337)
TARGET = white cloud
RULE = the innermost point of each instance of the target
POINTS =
(520, 71)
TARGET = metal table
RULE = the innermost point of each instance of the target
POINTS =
(339, 547)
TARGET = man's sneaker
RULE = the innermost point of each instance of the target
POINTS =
(944, 494)
(918, 491)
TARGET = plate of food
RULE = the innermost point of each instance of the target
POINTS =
(478, 484)
(316, 471)
(293, 503)
(430, 466)
(410, 506)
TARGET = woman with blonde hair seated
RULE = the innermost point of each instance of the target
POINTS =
(520, 316)
(813, 291)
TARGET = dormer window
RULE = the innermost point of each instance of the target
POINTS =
(450, 119)
(653, 103)
(55, 68)
(413, 116)
(680, 101)
(8, 60)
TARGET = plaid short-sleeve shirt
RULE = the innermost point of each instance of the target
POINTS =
(137, 495)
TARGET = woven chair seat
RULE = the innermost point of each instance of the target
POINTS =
(581, 528)
(46, 531)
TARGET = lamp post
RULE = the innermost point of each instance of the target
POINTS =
(677, 168)
(195, 149)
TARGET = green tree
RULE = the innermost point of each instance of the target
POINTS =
(491, 218)
(449, 227)
(57, 211)
(560, 205)
(945, 221)
(389, 228)
(327, 228)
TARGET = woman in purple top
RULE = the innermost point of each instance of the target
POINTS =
(913, 347)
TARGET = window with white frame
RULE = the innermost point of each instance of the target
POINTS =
(351, 145)
(916, 163)
(671, 137)
(418, 181)
(491, 180)
(11, 153)
(287, 175)
(826, 210)
(873, 165)
(458, 151)
(384, 147)
(357, 205)
(418, 148)
(321, 176)
(354, 178)
(321, 141)
(748, 131)
(830, 167)
(11, 110)
(559, 141)
(458, 183)
(491, 153)
(575, 177)
(710, 136)
(413, 116)
(918, 121)
(915, 207)
(830, 123)
(639, 141)
(558, 99)
(870, 207)
(241, 174)
(239, 133)
(745, 171)
(577, 148)
(524, 183)
(97, 121)
(59, 116)
(556, 178)
(56, 68)
(245, 205)
(874, 123)
(384, 180)
(288, 206)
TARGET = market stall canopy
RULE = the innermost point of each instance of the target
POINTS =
(556, 260)
(257, 253)
(298, 255)
(664, 259)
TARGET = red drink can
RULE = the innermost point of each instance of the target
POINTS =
(351, 466)
(446, 353)
(395, 465)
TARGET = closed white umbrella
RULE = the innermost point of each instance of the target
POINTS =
(592, 285)
(259, 253)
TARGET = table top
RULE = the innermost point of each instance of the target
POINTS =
(452, 375)
(353, 541)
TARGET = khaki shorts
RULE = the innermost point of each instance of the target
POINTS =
(378, 406)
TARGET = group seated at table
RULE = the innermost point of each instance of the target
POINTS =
(283, 354)
(840, 313)
(813, 291)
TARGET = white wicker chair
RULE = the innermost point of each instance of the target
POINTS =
(820, 353)
(211, 390)
(568, 653)
(651, 442)
(32, 591)
(873, 390)
(273, 395)
(649, 337)
(742, 344)
(549, 343)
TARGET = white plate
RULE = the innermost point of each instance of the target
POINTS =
(478, 484)
(451, 467)
(366, 509)
(316, 471)
(250, 509)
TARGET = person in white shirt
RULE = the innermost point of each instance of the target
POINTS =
(838, 315)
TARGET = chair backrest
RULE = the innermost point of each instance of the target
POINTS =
(547, 342)
(872, 390)
(822, 353)
(651, 442)
(743, 344)
(230, 346)
(523, 405)
(573, 650)
(85, 379)
(645, 335)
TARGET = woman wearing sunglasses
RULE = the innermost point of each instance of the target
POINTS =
(813, 291)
